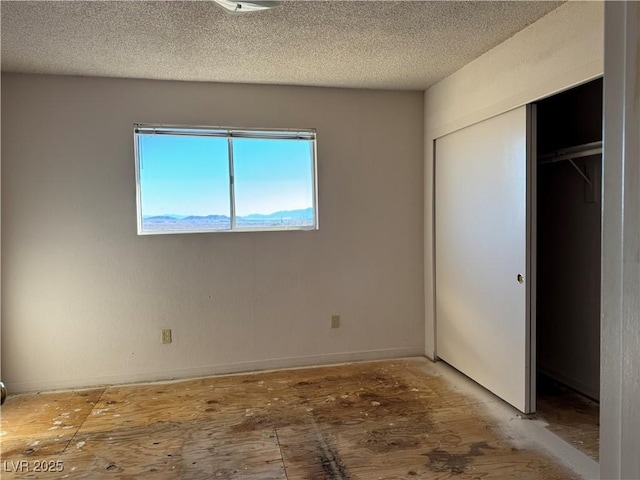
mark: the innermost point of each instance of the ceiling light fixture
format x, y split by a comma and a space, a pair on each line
246, 6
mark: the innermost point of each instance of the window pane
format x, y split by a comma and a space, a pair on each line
184, 183
273, 183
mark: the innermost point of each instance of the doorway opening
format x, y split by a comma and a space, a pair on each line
568, 225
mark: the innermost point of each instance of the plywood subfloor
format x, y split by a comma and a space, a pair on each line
572, 417
376, 420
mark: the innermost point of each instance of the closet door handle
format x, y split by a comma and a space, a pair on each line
520, 278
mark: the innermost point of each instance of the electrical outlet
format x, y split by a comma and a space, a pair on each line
165, 336
335, 321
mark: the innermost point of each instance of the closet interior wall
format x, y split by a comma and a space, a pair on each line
568, 240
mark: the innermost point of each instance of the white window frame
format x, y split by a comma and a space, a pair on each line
230, 133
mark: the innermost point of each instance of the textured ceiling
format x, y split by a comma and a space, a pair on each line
367, 44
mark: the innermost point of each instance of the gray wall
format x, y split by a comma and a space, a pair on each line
84, 298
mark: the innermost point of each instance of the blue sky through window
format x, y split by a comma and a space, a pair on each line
184, 178
184, 175
272, 175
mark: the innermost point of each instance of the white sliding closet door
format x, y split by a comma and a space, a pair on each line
482, 254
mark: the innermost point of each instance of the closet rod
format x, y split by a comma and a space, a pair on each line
578, 151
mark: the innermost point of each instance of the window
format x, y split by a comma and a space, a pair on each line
212, 179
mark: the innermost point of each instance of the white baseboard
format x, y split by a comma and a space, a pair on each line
208, 370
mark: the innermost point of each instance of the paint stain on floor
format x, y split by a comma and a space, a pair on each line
456, 463
376, 420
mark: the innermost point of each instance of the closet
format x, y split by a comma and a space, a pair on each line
568, 226
517, 248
